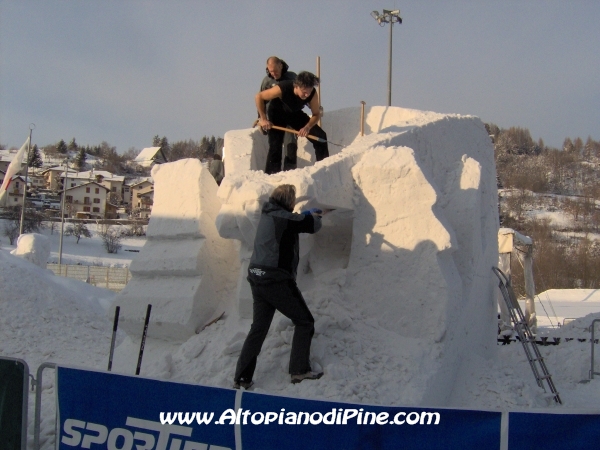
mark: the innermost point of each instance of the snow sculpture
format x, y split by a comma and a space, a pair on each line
414, 227
183, 270
410, 243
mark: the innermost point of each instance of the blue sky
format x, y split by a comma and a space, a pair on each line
123, 71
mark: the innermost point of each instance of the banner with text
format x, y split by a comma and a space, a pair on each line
101, 410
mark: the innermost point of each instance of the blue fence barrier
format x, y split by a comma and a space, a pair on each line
553, 431
102, 410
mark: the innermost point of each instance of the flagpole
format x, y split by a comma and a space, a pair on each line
26, 173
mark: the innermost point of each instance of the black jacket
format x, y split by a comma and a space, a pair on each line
276, 249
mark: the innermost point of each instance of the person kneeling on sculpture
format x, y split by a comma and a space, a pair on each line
294, 95
272, 278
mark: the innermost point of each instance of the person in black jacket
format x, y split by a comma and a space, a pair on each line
272, 278
278, 70
294, 95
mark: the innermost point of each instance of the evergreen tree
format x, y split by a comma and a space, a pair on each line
61, 147
72, 147
35, 159
165, 148
204, 147
212, 146
80, 159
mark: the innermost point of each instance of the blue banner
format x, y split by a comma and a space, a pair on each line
108, 411
100, 410
553, 431
302, 424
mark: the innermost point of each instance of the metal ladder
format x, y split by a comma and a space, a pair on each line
536, 361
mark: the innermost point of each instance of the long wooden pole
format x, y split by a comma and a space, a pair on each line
362, 118
319, 88
289, 130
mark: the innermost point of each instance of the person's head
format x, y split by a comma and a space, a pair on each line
304, 84
285, 196
217, 157
275, 67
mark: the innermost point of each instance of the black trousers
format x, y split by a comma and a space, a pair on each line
296, 120
286, 298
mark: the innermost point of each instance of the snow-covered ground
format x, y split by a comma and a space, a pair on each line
48, 318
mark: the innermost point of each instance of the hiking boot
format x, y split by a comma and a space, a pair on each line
243, 384
306, 376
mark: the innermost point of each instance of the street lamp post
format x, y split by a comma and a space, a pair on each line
390, 17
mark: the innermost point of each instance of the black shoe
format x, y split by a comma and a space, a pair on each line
243, 384
306, 376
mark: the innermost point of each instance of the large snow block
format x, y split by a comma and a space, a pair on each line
185, 270
170, 257
184, 200
245, 150
173, 317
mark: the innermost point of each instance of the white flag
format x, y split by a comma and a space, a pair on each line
12, 169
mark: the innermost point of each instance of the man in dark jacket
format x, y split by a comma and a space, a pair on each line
294, 95
277, 70
272, 278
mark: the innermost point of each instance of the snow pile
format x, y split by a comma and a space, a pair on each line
399, 279
45, 318
48, 318
33, 247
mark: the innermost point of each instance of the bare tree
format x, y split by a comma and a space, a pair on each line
111, 238
79, 230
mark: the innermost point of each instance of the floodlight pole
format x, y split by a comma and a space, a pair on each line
390, 17
390, 67
31, 127
62, 212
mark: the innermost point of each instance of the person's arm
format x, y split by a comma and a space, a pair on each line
260, 99
316, 114
303, 223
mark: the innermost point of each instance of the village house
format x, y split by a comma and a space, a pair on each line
114, 183
14, 194
145, 200
54, 176
150, 156
89, 200
137, 189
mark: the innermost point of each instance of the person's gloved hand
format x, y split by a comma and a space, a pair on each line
312, 211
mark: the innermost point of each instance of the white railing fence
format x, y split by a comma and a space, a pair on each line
113, 278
